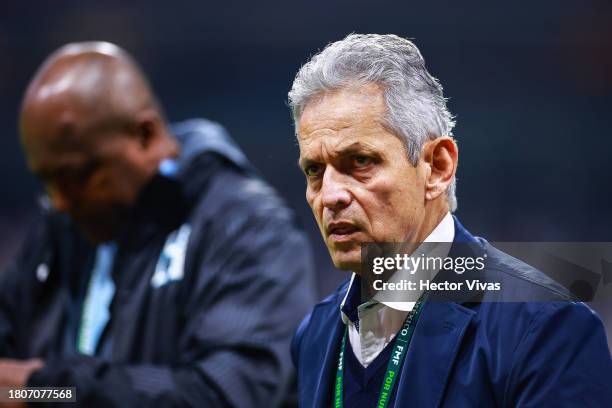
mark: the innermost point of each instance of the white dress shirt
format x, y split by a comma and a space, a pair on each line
378, 323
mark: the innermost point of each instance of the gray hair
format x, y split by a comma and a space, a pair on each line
416, 107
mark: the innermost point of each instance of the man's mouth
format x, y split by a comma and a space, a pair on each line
341, 231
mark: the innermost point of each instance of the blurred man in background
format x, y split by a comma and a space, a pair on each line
163, 271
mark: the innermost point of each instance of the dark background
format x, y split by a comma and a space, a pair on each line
529, 82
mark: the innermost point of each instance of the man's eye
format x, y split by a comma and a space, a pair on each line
313, 170
362, 161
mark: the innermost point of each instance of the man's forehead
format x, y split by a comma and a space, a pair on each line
54, 143
59, 123
51, 140
337, 135
343, 107
339, 143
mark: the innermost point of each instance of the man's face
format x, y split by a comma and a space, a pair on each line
93, 174
360, 185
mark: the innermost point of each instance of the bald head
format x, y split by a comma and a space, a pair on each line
95, 81
93, 131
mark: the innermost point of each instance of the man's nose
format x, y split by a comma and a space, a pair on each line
334, 192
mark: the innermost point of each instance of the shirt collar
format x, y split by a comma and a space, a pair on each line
351, 304
352, 299
444, 231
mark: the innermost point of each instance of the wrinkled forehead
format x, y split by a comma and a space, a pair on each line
344, 117
344, 106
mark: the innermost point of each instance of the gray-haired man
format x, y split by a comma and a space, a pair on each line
376, 149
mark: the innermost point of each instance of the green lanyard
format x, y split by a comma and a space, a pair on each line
395, 363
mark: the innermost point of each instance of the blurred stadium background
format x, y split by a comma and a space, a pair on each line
529, 82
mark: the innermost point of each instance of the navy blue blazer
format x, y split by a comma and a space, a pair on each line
478, 354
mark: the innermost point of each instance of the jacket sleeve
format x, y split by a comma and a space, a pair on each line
8, 307
250, 287
562, 360
13, 279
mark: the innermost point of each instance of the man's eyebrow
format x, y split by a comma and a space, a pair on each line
353, 148
303, 162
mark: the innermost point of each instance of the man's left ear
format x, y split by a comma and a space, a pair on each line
441, 156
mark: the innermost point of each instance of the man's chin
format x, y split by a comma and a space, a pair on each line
345, 255
348, 261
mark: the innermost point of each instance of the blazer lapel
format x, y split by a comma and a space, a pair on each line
319, 356
431, 353
322, 356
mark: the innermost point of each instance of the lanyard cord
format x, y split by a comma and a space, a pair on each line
402, 341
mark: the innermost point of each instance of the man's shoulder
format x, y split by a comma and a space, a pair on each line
528, 297
220, 177
530, 300
234, 202
521, 281
514, 275
197, 136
